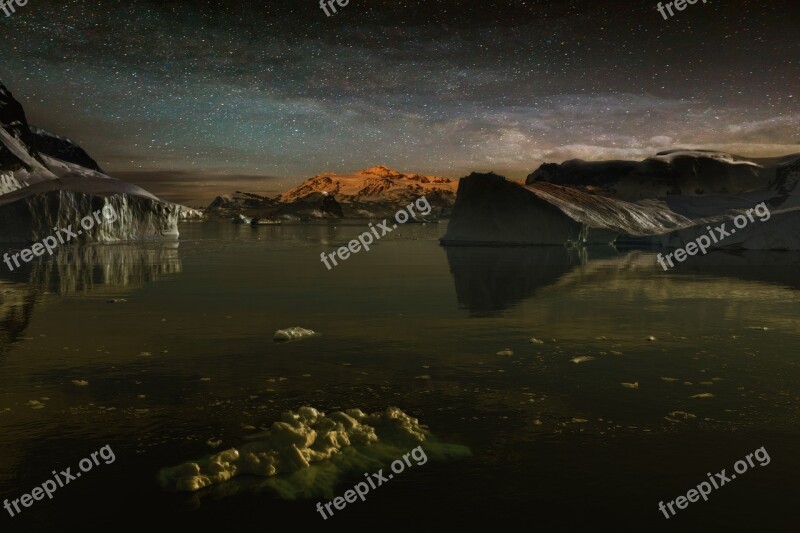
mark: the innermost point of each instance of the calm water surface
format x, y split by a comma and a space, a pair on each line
188, 357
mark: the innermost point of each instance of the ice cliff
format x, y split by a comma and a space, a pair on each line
48, 181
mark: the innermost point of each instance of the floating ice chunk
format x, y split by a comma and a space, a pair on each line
311, 451
80, 382
634, 385
35, 404
534, 340
581, 359
703, 395
650, 338
292, 334
675, 416
668, 380
506, 352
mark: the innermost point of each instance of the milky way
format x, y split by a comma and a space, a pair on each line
278, 88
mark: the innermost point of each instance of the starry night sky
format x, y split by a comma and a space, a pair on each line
276, 88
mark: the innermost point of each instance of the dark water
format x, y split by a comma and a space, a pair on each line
557, 446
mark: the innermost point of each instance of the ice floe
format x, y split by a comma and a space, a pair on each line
307, 451
292, 334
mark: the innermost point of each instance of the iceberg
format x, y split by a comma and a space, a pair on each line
48, 181
665, 201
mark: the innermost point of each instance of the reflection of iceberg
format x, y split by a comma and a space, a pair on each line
306, 452
491, 279
110, 269
16, 308
77, 269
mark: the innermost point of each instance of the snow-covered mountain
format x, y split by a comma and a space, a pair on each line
48, 181
492, 210
375, 191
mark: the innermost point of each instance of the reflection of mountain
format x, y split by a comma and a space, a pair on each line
489, 280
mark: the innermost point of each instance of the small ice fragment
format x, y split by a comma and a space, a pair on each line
425, 376
581, 359
703, 395
668, 380
292, 334
507, 352
35, 404
614, 352
205, 379
579, 420
674, 415
650, 338
214, 443
634, 385
534, 340
80, 382
116, 301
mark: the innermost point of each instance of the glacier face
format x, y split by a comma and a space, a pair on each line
48, 182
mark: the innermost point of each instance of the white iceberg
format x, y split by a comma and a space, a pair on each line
47, 182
